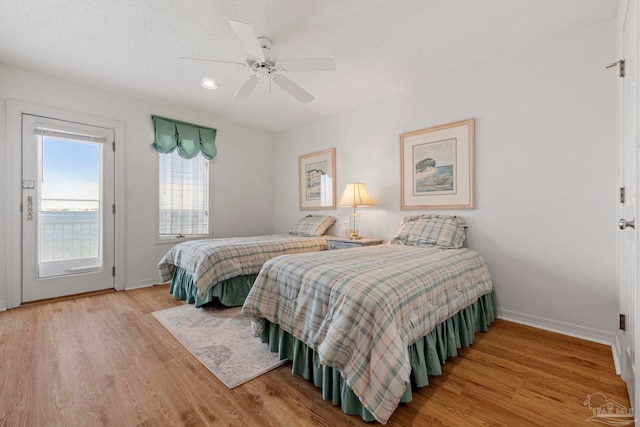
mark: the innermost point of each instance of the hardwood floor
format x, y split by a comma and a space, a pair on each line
103, 360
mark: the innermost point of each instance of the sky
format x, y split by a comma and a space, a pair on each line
70, 170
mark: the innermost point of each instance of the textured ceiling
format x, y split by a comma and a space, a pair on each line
380, 47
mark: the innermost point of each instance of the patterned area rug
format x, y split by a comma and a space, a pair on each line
221, 339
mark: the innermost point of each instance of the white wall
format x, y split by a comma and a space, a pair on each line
239, 150
545, 173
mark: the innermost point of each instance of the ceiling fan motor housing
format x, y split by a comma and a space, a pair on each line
262, 69
268, 66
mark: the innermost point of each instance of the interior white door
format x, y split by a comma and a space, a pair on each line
628, 207
68, 221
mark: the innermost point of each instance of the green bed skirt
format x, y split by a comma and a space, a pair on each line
231, 292
426, 355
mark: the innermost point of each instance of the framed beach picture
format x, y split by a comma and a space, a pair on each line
436, 167
317, 180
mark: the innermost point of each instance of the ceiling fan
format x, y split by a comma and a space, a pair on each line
264, 64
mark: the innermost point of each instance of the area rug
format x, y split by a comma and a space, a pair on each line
221, 339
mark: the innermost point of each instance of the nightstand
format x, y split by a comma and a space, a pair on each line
341, 243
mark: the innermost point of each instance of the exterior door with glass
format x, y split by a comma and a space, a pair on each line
68, 220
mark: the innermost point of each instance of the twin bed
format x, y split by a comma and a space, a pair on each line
202, 271
369, 324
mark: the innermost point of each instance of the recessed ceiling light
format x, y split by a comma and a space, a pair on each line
208, 84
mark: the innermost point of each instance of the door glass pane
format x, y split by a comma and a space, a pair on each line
70, 209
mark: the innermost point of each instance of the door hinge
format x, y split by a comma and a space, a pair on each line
114, 208
113, 146
621, 194
113, 271
620, 65
623, 322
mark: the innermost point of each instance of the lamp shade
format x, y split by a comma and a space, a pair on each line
355, 194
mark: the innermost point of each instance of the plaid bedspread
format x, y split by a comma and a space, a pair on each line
210, 261
360, 309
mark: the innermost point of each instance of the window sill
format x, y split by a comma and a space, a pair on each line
175, 240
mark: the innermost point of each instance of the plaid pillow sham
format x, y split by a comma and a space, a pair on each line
442, 231
312, 225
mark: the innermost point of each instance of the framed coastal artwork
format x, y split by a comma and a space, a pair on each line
317, 180
436, 167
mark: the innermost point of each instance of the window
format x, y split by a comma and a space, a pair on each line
184, 196
185, 150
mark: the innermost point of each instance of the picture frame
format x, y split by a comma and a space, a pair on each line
436, 167
317, 180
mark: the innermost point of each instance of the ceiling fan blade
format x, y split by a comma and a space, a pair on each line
308, 64
248, 39
242, 64
245, 90
293, 89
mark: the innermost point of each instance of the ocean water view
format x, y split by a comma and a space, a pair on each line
68, 234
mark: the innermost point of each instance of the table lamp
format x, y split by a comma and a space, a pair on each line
354, 195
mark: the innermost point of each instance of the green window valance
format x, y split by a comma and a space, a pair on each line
188, 138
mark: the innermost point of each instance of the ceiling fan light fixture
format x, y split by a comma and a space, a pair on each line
208, 84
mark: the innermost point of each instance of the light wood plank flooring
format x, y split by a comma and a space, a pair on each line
104, 360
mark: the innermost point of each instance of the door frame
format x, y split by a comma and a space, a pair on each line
636, 327
15, 109
618, 346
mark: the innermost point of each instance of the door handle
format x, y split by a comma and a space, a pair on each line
623, 223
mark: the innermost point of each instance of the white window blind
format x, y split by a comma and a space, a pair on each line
184, 196
59, 133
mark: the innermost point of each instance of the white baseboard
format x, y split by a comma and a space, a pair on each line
588, 334
616, 350
142, 284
